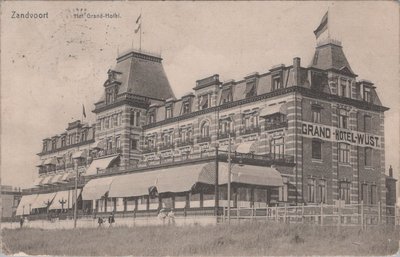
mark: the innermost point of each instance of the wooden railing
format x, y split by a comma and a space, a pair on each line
325, 215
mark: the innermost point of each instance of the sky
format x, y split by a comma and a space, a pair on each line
50, 67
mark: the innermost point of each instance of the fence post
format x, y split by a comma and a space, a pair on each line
302, 213
339, 214
285, 219
362, 214
276, 213
379, 213
322, 214
237, 213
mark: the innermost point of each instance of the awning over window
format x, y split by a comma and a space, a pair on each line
247, 147
225, 148
65, 177
100, 144
40, 164
38, 181
79, 154
249, 87
50, 161
97, 188
183, 178
273, 109
65, 197
46, 180
24, 205
99, 164
42, 200
245, 174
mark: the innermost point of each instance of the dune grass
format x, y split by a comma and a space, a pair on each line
246, 239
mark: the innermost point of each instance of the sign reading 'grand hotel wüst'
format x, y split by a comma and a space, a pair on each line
330, 133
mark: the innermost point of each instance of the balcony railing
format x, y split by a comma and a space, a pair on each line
166, 146
149, 149
226, 135
276, 125
250, 157
203, 139
185, 143
250, 130
107, 152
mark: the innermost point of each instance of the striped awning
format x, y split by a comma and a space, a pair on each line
97, 188
244, 174
100, 164
66, 197
273, 109
79, 154
42, 200
25, 204
247, 147
50, 161
100, 144
46, 180
38, 181
183, 178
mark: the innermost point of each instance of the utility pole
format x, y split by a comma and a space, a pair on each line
216, 191
76, 192
229, 179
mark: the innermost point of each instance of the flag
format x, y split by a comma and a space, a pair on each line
138, 19
137, 28
83, 111
138, 23
322, 26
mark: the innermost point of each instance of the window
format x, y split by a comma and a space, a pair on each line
83, 136
373, 194
135, 118
344, 192
112, 121
311, 190
107, 123
316, 151
63, 142
186, 107
344, 153
134, 144
277, 148
225, 126
367, 123
205, 130
168, 112
367, 94
204, 102
53, 144
343, 119
117, 143
283, 190
316, 114
109, 143
276, 83
322, 191
250, 121
272, 121
364, 193
250, 89
343, 88
368, 156
226, 96
167, 139
152, 117
137, 121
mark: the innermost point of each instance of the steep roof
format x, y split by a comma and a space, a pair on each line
329, 55
143, 74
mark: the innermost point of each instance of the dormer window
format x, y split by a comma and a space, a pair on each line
152, 117
226, 96
276, 83
44, 146
168, 112
186, 107
63, 142
204, 102
367, 94
250, 89
343, 88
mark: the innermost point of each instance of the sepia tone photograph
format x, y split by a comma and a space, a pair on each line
219, 128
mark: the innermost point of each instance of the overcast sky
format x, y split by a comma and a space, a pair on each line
50, 67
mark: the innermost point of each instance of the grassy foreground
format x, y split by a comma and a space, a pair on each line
246, 239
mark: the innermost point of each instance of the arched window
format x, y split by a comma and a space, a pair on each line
205, 129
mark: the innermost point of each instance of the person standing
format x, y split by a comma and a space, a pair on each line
171, 217
111, 220
21, 222
100, 221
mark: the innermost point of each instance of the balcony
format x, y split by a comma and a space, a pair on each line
250, 130
166, 146
149, 149
276, 125
185, 143
107, 152
259, 159
203, 139
226, 135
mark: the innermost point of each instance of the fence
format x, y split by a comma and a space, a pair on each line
325, 215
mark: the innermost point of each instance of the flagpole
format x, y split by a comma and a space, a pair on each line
329, 32
140, 36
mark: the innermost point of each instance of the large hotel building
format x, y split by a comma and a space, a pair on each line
300, 134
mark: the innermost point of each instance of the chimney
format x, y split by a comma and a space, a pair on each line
391, 171
296, 71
